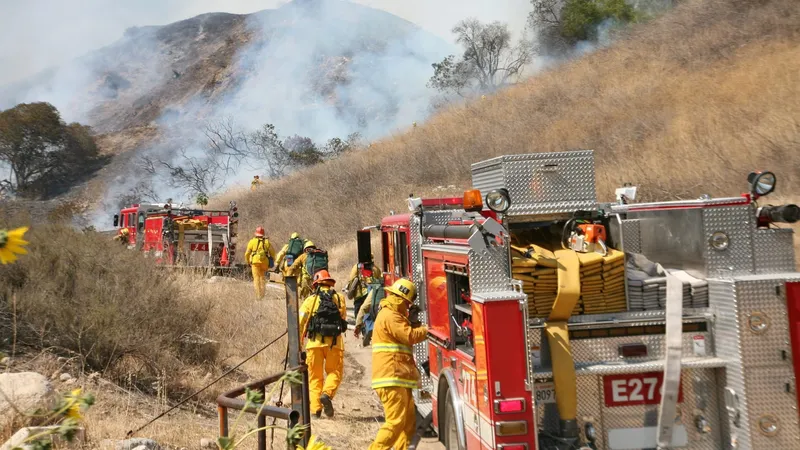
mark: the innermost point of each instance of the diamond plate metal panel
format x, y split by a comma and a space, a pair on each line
442, 217
763, 298
421, 349
541, 183
738, 222
607, 349
723, 300
767, 395
631, 240
700, 396
774, 250
489, 271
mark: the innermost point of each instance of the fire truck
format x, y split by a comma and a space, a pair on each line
182, 237
559, 322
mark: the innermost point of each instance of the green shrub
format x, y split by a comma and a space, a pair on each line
581, 18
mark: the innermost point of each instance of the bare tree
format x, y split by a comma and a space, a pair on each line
228, 144
490, 59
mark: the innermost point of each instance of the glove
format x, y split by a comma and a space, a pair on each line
413, 315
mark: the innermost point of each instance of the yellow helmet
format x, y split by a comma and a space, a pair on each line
404, 289
125, 231
295, 236
308, 245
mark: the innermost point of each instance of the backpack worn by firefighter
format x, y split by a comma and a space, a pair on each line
315, 261
375, 294
261, 254
327, 319
293, 250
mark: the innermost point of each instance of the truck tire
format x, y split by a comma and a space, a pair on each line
449, 430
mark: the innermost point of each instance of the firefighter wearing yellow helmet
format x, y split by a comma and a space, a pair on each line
299, 270
123, 237
323, 319
289, 255
394, 373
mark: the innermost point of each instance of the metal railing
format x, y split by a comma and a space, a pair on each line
231, 400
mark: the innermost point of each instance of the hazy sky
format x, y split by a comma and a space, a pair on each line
37, 34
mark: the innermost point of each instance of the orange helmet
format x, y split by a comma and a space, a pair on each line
260, 232
323, 277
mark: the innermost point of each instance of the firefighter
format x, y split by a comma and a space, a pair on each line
365, 315
303, 277
394, 373
323, 320
359, 279
289, 254
123, 237
256, 183
258, 255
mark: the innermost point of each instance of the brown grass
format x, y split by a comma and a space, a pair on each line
684, 105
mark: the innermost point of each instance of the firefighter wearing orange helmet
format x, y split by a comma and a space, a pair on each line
259, 255
323, 320
394, 373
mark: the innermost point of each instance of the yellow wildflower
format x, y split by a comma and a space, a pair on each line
12, 244
74, 401
314, 444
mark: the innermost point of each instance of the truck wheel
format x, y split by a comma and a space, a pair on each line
450, 430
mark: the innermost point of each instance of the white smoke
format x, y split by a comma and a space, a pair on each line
382, 65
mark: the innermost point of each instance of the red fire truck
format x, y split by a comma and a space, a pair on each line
702, 352
178, 236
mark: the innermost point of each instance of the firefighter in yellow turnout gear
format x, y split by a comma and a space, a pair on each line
258, 254
359, 278
323, 320
289, 255
298, 270
394, 373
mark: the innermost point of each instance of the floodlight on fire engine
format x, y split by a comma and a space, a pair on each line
761, 183
498, 200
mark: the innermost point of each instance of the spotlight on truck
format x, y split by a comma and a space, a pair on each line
498, 200
761, 183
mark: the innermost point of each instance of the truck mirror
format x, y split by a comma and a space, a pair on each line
364, 246
116, 220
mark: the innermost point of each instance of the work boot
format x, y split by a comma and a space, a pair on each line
318, 414
327, 404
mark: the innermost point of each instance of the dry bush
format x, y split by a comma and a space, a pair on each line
84, 295
684, 105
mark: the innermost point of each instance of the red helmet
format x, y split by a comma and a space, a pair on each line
323, 277
260, 232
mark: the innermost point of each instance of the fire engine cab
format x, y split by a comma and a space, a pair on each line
557, 322
177, 236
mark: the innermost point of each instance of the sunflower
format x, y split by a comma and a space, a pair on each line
314, 444
12, 244
74, 401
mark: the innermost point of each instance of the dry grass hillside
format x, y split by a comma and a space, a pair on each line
684, 105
